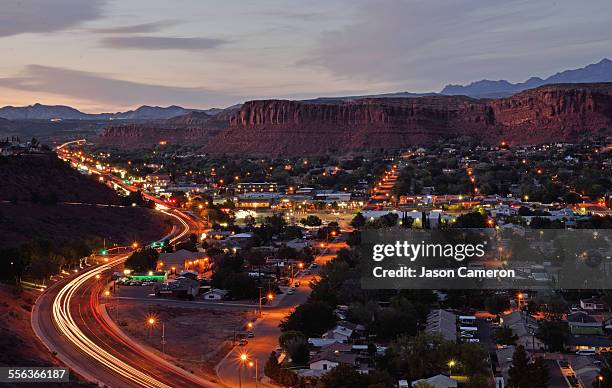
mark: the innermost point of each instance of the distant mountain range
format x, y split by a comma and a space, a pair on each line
596, 72
48, 112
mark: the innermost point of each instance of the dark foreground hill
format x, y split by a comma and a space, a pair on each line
42, 197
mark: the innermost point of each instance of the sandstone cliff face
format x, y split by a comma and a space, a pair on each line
280, 127
546, 114
555, 112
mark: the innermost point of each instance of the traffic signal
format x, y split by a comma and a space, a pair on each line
104, 252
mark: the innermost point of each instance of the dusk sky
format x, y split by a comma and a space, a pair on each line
103, 55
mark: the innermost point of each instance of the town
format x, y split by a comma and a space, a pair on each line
276, 243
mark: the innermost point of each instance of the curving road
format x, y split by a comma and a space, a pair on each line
68, 319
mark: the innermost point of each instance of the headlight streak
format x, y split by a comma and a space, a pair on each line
67, 326
65, 323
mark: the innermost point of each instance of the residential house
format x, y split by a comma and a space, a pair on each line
581, 323
504, 360
438, 381
329, 359
442, 322
321, 342
592, 304
525, 328
344, 330
181, 260
215, 294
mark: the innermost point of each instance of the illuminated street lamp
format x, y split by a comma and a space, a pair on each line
134, 245
251, 364
243, 358
451, 364
151, 322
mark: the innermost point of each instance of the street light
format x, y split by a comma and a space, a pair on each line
599, 380
151, 322
134, 245
251, 364
451, 364
243, 358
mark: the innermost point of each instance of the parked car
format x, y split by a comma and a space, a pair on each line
250, 334
291, 291
243, 342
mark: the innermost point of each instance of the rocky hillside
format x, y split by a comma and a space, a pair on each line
563, 112
549, 113
42, 197
194, 127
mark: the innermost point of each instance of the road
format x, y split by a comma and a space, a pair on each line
67, 318
231, 370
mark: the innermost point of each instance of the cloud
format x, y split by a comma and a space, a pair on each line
420, 44
35, 16
161, 43
136, 28
108, 91
299, 16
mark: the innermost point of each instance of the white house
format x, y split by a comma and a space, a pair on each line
591, 304
329, 359
215, 294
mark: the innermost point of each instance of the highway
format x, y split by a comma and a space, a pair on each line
70, 321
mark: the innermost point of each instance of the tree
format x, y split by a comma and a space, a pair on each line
539, 375
296, 344
471, 220
504, 336
358, 221
552, 334
526, 374
272, 368
276, 222
240, 286
311, 318
518, 374
142, 260
311, 220
342, 376
606, 375
497, 304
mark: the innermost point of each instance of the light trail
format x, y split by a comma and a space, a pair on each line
59, 147
182, 221
68, 327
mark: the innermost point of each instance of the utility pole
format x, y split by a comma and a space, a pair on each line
163, 338
260, 288
257, 378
